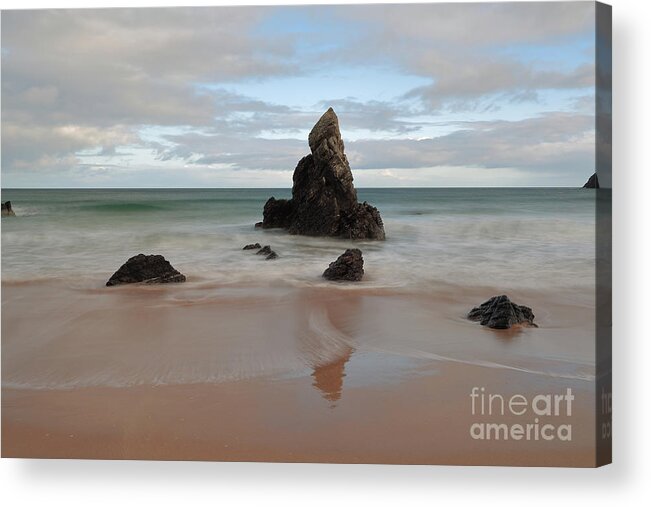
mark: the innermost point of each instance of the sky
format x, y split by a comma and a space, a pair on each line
493, 94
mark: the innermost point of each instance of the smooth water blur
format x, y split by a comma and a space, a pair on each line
499, 237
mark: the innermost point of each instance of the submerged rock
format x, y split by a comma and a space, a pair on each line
265, 250
324, 199
147, 269
7, 211
593, 182
349, 266
500, 313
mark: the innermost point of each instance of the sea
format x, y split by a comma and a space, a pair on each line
241, 316
507, 237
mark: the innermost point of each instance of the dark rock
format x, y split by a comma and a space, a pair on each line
258, 225
349, 266
277, 213
500, 313
265, 250
6, 210
252, 246
593, 182
324, 199
362, 221
146, 268
273, 255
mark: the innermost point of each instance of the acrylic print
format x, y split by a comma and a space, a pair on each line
346, 234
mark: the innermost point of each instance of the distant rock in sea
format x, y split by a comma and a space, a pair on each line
147, 269
349, 266
265, 250
324, 200
7, 211
252, 246
593, 182
272, 255
500, 313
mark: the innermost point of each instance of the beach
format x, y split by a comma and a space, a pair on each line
254, 360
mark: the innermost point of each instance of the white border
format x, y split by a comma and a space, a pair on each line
626, 482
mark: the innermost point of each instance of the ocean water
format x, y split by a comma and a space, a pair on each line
240, 316
496, 237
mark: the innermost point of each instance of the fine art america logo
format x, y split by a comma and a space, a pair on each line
536, 416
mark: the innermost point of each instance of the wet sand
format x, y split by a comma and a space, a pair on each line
207, 372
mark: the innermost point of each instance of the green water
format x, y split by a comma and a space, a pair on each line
506, 237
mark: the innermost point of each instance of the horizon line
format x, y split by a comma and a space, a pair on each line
270, 188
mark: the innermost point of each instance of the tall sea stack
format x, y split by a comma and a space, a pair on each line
593, 182
324, 200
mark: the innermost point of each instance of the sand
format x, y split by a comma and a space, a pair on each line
327, 374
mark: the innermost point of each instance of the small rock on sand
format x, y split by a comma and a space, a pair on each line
500, 313
147, 269
349, 266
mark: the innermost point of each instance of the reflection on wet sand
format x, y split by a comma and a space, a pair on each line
325, 332
507, 335
329, 378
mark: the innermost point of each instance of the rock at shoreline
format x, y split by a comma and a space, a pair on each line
593, 182
348, 267
277, 213
324, 199
147, 269
500, 313
252, 246
265, 250
273, 255
7, 211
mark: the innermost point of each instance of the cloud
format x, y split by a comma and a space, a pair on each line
239, 114
90, 79
558, 148
239, 153
376, 115
465, 86
129, 66
464, 48
165, 82
556, 144
478, 24
34, 147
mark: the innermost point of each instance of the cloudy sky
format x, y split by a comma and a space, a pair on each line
427, 95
